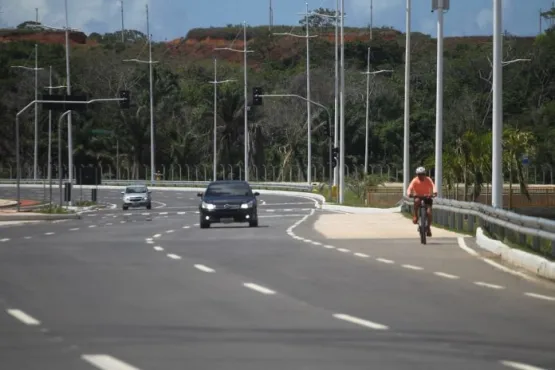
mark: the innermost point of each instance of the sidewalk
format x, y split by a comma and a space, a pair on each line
372, 226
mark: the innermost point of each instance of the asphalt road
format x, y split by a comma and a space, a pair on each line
137, 289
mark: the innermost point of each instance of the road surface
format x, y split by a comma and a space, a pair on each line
150, 290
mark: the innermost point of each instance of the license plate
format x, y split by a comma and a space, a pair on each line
226, 220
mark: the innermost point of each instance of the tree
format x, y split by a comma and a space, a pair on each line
319, 22
517, 144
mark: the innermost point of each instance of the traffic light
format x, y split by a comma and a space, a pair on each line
335, 157
124, 94
327, 129
256, 98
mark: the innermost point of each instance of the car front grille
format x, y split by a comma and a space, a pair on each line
135, 199
228, 206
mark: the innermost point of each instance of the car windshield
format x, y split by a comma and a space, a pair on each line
218, 190
136, 190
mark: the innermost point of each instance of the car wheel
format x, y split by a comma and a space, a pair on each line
125, 208
204, 225
253, 223
149, 206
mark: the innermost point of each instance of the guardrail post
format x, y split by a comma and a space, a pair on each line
536, 243
522, 239
470, 223
460, 221
553, 248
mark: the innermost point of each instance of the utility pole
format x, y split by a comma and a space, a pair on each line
342, 109
406, 125
497, 124
37, 14
122, 25
440, 6
271, 13
69, 115
215, 133
307, 36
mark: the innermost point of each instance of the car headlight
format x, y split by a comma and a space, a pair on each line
247, 205
208, 206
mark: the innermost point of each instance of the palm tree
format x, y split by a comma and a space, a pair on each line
516, 144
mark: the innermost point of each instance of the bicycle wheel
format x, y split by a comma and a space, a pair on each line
423, 224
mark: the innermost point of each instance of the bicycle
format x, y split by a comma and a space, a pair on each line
423, 216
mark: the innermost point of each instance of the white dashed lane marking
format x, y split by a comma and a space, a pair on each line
344, 250
488, 285
204, 268
412, 267
362, 255
23, 317
520, 365
383, 260
259, 288
174, 256
74, 229
158, 248
356, 320
448, 276
49, 233
3, 240
106, 362
540, 296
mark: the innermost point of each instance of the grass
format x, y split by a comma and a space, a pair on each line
53, 210
85, 203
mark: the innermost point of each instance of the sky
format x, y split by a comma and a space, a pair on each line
171, 19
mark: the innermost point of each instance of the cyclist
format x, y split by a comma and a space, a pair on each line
422, 187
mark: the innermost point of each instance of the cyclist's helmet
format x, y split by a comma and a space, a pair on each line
420, 171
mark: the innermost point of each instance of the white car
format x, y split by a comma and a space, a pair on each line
136, 196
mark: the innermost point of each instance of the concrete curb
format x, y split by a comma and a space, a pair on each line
23, 216
359, 210
8, 204
528, 261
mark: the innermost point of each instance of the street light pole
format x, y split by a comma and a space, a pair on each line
336, 92
442, 5
406, 130
246, 106
69, 115
497, 124
50, 88
215, 150
150, 62
307, 36
342, 110
36, 69
367, 131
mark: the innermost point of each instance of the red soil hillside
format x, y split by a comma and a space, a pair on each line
46, 37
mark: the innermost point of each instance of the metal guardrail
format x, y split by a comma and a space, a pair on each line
535, 233
165, 183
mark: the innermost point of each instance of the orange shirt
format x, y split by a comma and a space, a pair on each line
424, 187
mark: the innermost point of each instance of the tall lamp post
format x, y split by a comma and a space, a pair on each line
245, 51
36, 142
342, 109
336, 93
150, 62
368, 73
50, 88
440, 6
406, 125
215, 83
307, 36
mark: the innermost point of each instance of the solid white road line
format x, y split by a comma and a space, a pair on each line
204, 268
316, 243
158, 248
540, 296
174, 256
487, 285
412, 267
344, 250
362, 255
23, 317
356, 320
259, 288
385, 260
520, 365
448, 276
106, 362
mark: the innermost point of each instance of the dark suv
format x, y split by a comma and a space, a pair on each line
227, 202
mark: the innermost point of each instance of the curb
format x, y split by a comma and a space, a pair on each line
528, 261
360, 210
38, 217
8, 205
